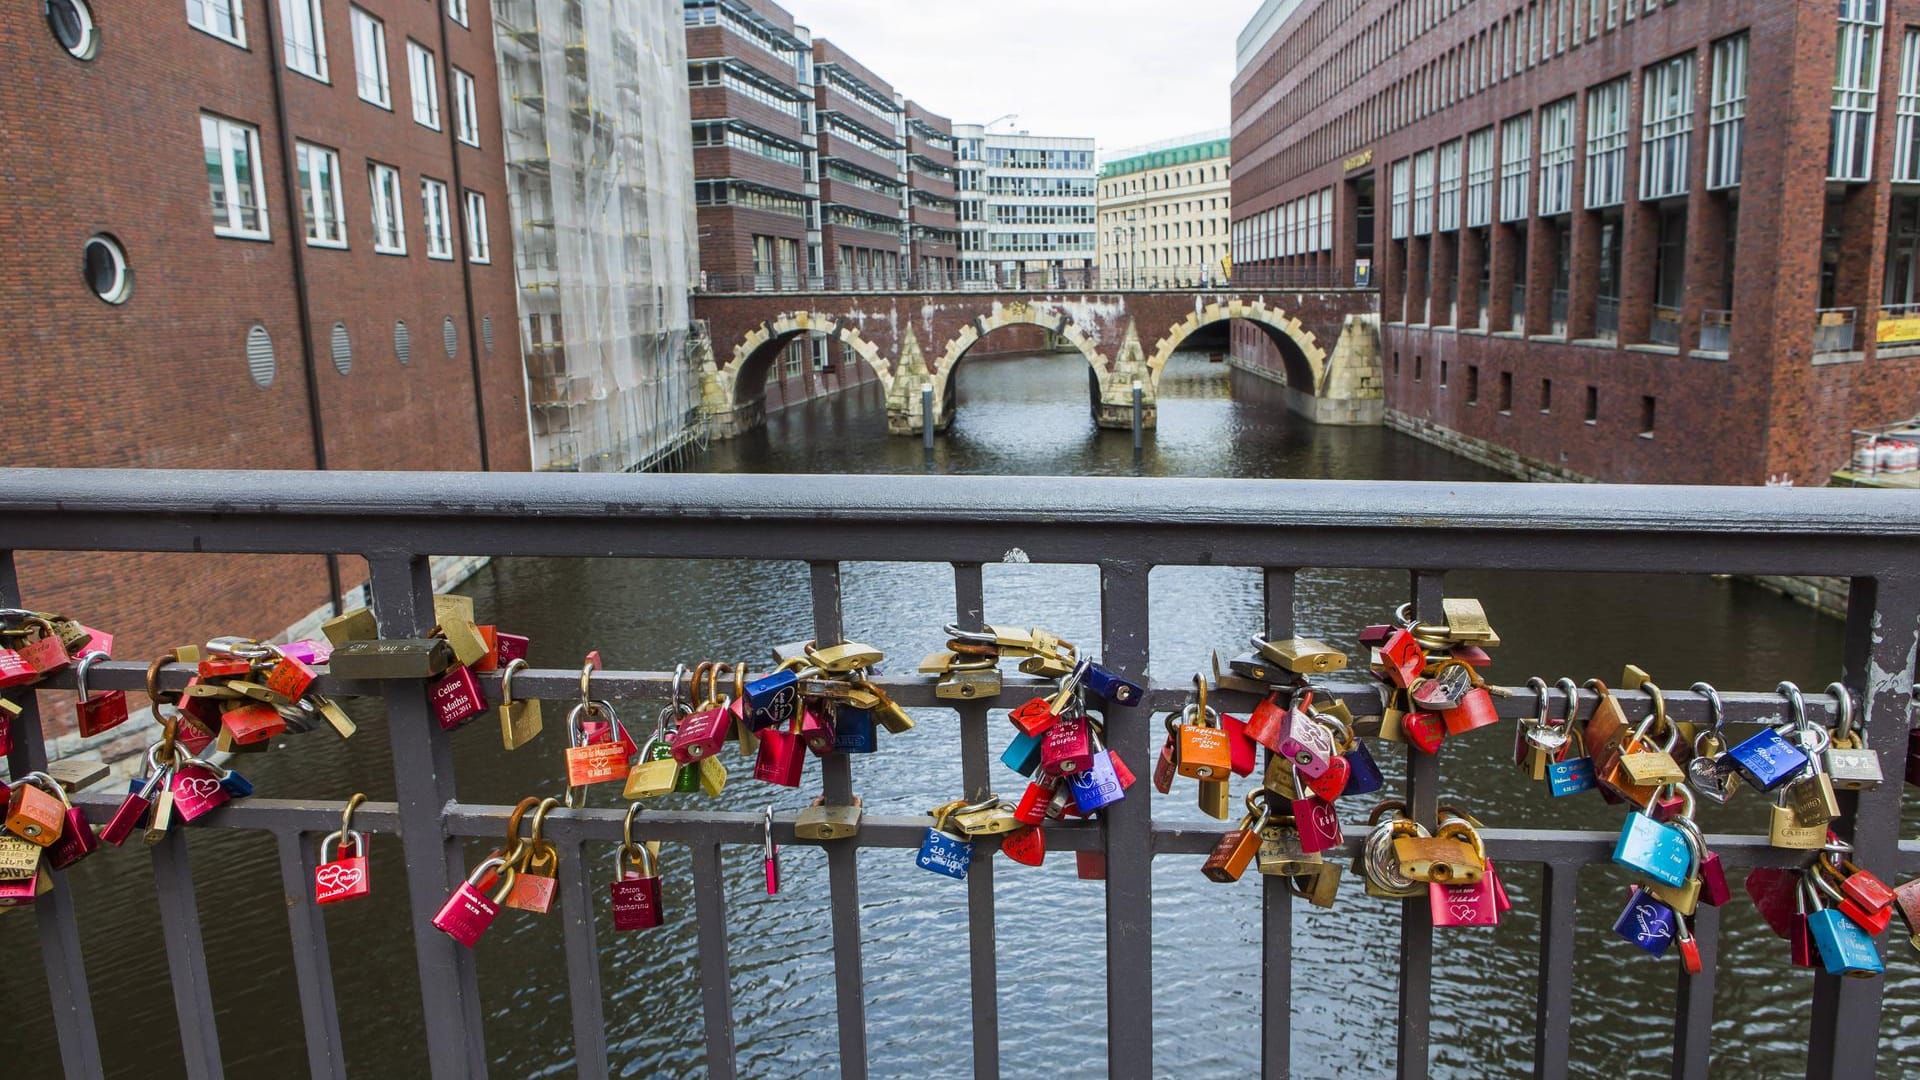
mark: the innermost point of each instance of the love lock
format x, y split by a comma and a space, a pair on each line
822, 822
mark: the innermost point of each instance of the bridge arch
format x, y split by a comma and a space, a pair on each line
754, 355
1017, 313
1306, 360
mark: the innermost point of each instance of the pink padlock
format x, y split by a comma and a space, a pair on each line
1067, 747
456, 698
701, 735
341, 877
636, 888
1318, 822
1472, 904
1307, 743
197, 791
468, 912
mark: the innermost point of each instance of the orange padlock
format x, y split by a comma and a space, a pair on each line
33, 814
1202, 750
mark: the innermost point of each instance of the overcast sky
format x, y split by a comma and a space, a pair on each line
1123, 71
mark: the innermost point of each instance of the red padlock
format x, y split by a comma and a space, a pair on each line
1402, 658
1032, 808
289, 678
782, 756
252, 722
1243, 753
636, 894
1268, 724
1067, 747
96, 712
1090, 865
1318, 823
468, 912
1425, 730
1034, 717
197, 791
341, 877
78, 840
15, 671
1026, 845
1476, 710
457, 698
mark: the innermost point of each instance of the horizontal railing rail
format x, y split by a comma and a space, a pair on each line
1125, 527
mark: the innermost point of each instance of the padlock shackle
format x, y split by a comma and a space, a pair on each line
1539, 687
87, 660
540, 820
514, 667
1843, 722
1796, 705
1572, 690
346, 813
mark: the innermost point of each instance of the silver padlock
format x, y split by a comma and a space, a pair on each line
1847, 761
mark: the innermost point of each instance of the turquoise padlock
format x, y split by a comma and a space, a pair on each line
1022, 755
1659, 851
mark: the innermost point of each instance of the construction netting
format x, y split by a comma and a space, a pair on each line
599, 165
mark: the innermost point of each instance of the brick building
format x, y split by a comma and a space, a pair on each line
933, 222
251, 234
1633, 240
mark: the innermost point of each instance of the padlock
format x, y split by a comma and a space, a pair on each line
96, 712
77, 838
774, 698
1860, 886
1661, 852
968, 684
822, 822
15, 671
1302, 656
341, 877
1767, 760
1713, 876
489, 659
1647, 922
463, 637
19, 859
1098, 785
1320, 886
537, 877
1067, 747
1243, 754
1363, 772
289, 678
355, 625
705, 732
1466, 903
1213, 799
1034, 717
1423, 730
1784, 829
988, 817
943, 852
1022, 755
1848, 762
1268, 722
456, 698
1318, 822
1165, 768
853, 731
197, 790
132, 811
45, 654
1280, 852
1844, 947
37, 809
1800, 949
1447, 859
1572, 772
636, 887
1401, 658
468, 912
1026, 845
252, 722
1237, 847
1476, 710
1105, 684
816, 728
1775, 894
1034, 802
782, 759
520, 719
1306, 741
654, 774
22, 892
1393, 717
403, 658
509, 647
590, 762
1811, 796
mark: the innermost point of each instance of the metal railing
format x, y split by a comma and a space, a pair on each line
1557, 313
1606, 318
1833, 330
1158, 279
1716, 330
1518, 322
1665, 329
1124, 527
1899, 324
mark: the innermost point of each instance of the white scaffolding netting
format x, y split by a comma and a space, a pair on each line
599, 168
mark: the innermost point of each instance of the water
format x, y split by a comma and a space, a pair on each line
1016, 416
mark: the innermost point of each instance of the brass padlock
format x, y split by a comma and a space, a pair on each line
1048, 665
1784, 830
1812, 798
520, 719
1214, 799
989, 817
464, 638
1393, 716
19, 858
355, 625
1441, 859
1467, 622
403, 658
75, 774
966, 684
452, 606
1302, 656
1319, 887
846, 657
822, 822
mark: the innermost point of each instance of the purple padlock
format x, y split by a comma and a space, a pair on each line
1647, 922
1098, 785
1308, 743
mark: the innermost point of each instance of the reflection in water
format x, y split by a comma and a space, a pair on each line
1016, 416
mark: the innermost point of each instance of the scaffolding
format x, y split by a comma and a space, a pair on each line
599, 155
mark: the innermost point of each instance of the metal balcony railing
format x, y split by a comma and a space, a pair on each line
1606, 318
1557, 313
1833, 330
1716, 330
1665, 329
1899, 324
1154, 278
1124, 527
1519, 320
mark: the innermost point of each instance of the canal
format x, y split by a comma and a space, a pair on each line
1016, 416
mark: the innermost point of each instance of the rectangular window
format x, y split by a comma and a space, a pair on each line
320, 201
1448, 214
1856, 82
1606, 146
1728, 117
370, 58
479, 249
1646, 416
457, 11
389, 219
1473, 384
1666, 129
1556, 158
234, 182
1443, 374
1326, 219
1423, 193
1506, 391
1593, 404
438, 218
1480, 178
1906, 139
1516, 137
305, 37
1402, 188
1419, 367
423, 77
1546, 395
224, 19
466, 108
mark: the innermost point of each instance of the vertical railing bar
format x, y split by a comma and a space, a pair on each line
843, 867
1416, 918
186, 955
1128, 827
400, 588
578, 932
1883, 635
969, 594
1693, 1007
716, 974
1553, 1004
1276, 900
312, 964
59, 927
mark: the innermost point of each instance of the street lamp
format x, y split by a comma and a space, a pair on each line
1131, 259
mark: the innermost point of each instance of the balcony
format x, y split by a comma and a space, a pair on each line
955, 525
1833, 330
1899, 324
1716, 330
1606, 318
1666, 326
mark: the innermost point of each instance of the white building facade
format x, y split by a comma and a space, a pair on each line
1164, 214
1027, 209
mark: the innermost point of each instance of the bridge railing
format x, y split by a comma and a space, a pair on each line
1154, 279
1123, 526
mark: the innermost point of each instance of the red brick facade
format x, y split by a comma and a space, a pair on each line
1346, 89
112, 145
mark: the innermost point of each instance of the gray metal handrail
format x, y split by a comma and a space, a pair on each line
1123, 526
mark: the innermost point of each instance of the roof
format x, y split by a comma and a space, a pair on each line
1185, 153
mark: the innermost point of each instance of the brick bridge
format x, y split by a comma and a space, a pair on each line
1325, 344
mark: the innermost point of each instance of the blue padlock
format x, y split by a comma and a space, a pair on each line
1363, 773
853, 731
1647, 922
1098, 785
1106, 684
1845, 946
1022, 755
944, 854
1570, 777
236, 786
1659, 851
773, 699
1767, 760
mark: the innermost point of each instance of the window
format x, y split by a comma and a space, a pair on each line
1593, 404
457, 11
1666, 129
466, 108
1401, 186
1516, 149
1423, 193
72, 25
1646, 417
1606, 146
1556, 158
370, 58
104, 265
320, 202
1546, 395
223, 19
1448, 214
1856, 81
389, 220
479, 250
1906, 140
438, 218
1480, 178
1473, 384
1728, 118
425, 84
233, 177
1506, 392
1443, 374
305, 37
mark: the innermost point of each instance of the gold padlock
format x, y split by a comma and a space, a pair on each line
1785, 831
1214, 799
822, 822
989, 817
1302, 656
650, 779
1467, 621
967, 684
1441, 859
845, 657
1319, 887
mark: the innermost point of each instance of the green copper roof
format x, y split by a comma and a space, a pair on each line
1175, 155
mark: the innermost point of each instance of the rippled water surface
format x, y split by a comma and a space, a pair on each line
1025, 416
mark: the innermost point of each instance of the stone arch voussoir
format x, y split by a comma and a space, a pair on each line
1274, 320
813, 322
1017, 313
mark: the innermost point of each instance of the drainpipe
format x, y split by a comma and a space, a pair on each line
458, 198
